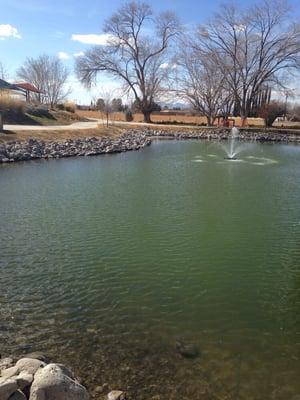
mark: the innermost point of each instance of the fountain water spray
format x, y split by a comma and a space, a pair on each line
231, 150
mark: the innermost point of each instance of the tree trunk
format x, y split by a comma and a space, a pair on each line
147, 116
1, 121
209, 121
243, 121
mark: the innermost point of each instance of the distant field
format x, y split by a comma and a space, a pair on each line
162, 118
184, 119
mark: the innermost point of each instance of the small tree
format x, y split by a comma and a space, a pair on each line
49, 75
133, 55
106, 106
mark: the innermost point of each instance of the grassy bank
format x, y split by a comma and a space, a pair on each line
18, 112
59, 135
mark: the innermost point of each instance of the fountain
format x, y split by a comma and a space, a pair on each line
231, 149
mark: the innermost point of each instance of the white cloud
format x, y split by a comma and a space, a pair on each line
82, 95
7, 31
102, 39
79, 54
167, 65
62, 55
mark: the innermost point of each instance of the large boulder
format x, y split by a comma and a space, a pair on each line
28, 365
54, 382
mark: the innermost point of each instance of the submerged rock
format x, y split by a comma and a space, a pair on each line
116, 395
187, 350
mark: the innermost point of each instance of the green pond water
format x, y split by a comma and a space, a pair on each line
107, 262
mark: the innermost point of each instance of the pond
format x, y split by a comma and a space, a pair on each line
109, 264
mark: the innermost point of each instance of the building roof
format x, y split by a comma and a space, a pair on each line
27, 86
7, 86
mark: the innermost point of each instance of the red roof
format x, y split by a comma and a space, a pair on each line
27, 86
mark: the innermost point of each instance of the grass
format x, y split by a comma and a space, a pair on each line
54, 117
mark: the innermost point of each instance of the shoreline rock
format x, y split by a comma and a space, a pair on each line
32, 379
34, 149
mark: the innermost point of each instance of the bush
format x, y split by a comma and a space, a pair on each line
10, 105
70, 106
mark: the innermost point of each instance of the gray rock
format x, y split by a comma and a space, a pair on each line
116, 395
52, 383
29, 365
6, 363
24, 379
38, 356
9, 372
7, 388
18, 395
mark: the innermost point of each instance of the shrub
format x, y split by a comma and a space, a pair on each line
60, 107
128, 116
70, 106
271, 111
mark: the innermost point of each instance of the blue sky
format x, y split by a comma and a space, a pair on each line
33, 27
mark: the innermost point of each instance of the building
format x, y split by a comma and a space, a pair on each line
29, 90
5, 86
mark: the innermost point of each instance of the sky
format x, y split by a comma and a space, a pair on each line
66, 28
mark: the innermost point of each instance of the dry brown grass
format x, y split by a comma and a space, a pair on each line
165, 118
59, 135
8, 103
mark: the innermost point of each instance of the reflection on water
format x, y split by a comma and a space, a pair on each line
107, 262
219, 158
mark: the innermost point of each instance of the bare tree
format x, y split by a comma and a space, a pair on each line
133, 55
201, 82
49, 75
252, 48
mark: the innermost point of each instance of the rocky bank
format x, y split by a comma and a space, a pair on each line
261, 135
33, 149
